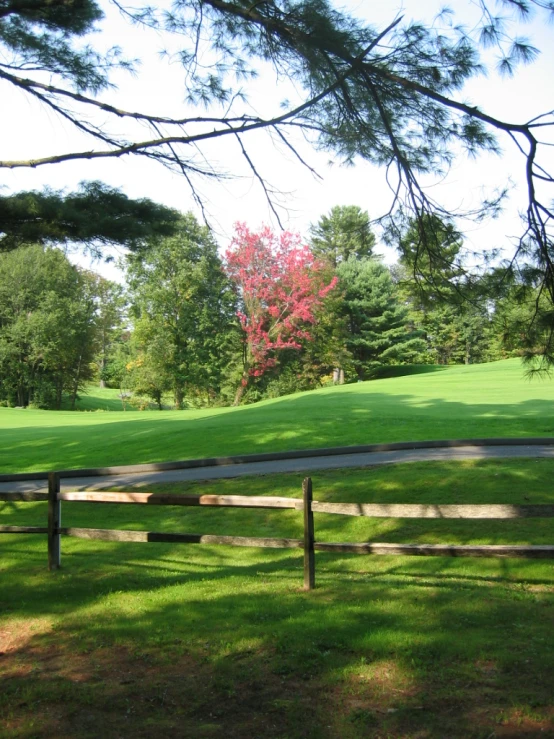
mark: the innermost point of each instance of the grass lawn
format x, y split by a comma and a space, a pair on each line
476, 401
99, 399
198, 641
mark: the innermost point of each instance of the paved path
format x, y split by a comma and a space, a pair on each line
305, 464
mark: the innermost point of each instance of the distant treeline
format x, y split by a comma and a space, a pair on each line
274, 316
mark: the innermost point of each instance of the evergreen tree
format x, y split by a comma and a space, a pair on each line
94, 216
345, 232
463, 335
522, 319
431, 254
379, 332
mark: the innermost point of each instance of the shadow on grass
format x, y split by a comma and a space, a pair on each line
138, 640
209, 641
403, 370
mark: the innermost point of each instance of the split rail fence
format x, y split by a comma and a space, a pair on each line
306, 504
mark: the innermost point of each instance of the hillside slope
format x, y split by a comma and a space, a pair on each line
461, 402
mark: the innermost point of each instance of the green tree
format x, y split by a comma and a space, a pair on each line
184, 309
457, 335
94, 216
431, 254
110, 320
379, 332
522, 317
151, 371
47, 327
345, 232
117, 371
391, 95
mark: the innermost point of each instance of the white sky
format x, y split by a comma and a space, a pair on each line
29, 130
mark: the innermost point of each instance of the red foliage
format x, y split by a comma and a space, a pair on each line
281, 285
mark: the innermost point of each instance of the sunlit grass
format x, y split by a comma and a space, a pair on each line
460, 402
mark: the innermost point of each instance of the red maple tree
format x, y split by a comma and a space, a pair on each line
281, 284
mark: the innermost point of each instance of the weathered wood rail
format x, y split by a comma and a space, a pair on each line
306, 504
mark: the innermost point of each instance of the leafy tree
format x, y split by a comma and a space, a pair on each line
110, 304
314, 362
280, 285
522, 318
389, 95
184, 310
456, 335
379, 332
151, 370
47, 327
94, 216
456, 331
345, 232
117, 371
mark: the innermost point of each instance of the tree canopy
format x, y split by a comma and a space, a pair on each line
94, 216
345, 232
184, 311
47, 327
281, 286
378, 327
391, 95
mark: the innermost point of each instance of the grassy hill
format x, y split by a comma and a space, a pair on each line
476, 401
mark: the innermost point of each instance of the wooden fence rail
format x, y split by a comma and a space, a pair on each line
385, 510
306, 504
226, 501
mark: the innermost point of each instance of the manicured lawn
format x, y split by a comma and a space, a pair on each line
200, 641
476, 401
99, 399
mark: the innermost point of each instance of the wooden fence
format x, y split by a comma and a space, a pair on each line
306, 504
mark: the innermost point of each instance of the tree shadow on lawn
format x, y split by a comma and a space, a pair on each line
140, 640
309, 421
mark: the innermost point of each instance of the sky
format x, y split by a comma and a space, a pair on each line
29, 130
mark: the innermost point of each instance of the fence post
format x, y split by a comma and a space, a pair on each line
309, 556
54, 521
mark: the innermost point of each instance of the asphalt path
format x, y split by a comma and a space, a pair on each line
305, 465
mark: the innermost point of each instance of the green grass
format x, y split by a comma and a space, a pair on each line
95, 398
403, 370
141, 640
476, 401
99, 399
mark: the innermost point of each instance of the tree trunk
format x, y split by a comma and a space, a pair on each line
179, 396
22, 399
122, 397
243, 383
76, 383
241, 389
102, 369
